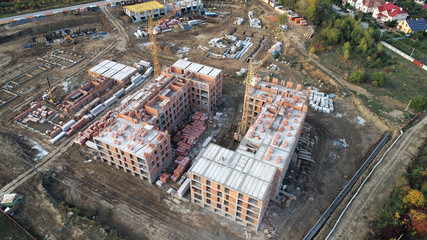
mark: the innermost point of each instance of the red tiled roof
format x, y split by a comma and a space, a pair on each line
395, 12
385, 7
391, 10
381, 15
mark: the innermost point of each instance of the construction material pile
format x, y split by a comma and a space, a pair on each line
95, 128
165, 177
170, 23
188, 136
164, 26
254, 22
183, 163
320, 102
38, 115
239, 21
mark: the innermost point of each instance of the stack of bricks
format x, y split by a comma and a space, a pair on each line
188, 136
183, 163
165, 177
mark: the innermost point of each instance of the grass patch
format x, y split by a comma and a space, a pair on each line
404, 82
9, 12
9, 230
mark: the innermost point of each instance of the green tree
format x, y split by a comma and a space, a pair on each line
322, 12
379, 47
338, 3
288, 3
378, 79
363, 45
302, 7
346, 51
356, 34
357, 76
418, 103
283, 19
311, 10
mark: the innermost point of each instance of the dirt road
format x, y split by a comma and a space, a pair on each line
123, 37
355, 223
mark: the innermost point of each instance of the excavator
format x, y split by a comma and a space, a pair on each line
71, 39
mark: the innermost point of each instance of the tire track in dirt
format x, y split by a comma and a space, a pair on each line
373, 195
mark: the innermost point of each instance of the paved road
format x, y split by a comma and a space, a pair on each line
53, 11
355, 222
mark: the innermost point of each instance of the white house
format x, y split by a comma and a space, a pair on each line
365, 6
420, 1
389, 12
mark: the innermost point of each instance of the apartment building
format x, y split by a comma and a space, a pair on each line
139, 12
274, 134
135, 148
239, 184
232, 185
137, 141
206, 83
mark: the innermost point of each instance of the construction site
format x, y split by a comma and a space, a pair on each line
195, 119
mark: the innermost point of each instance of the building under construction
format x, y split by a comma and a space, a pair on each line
238, 185
139, 12
135, 138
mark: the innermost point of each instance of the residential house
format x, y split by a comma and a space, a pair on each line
412, 25
365, 6
389, 12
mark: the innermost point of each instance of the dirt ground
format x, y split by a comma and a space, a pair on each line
13, 161
333, 169
142, 211
357, 220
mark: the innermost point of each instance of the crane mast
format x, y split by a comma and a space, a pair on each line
153, 45
153, 40
246, 106
249, 77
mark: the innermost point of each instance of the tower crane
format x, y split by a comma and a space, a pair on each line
246, 106
152, 34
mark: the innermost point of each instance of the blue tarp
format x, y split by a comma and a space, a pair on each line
331, 95
187, 27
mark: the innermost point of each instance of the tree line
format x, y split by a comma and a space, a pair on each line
14, 7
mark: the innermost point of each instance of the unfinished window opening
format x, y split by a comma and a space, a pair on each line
197, 196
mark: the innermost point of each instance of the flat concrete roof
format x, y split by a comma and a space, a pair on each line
128, 130
234, 170
197, 68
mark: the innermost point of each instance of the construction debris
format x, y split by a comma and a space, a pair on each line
340, 143
321, 102
254, 22
239, 21
242, 71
